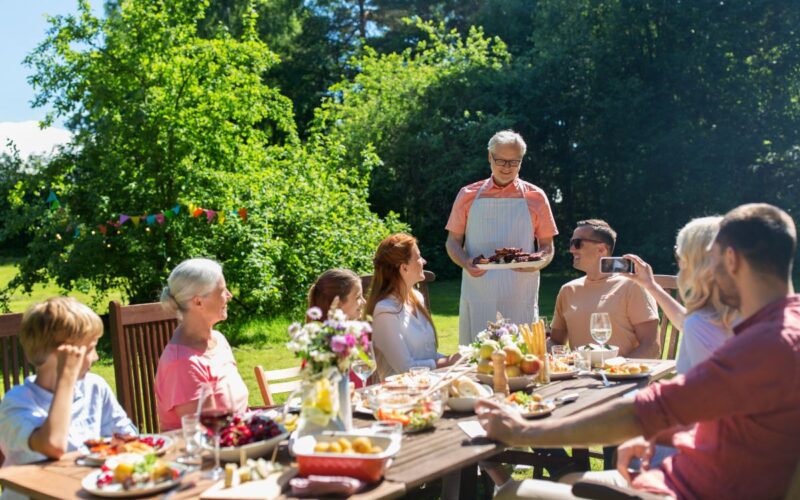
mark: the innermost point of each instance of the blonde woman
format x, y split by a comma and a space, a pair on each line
703, 319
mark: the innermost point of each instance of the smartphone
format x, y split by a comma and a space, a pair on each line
609, 265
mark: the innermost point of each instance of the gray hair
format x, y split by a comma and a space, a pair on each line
507, 137
189, 279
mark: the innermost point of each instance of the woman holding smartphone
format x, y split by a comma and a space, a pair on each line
704, 320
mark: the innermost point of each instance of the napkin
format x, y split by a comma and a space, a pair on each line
472, 428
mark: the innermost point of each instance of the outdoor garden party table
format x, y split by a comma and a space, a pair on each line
443, 451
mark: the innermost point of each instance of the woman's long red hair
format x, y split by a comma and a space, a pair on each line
394, 251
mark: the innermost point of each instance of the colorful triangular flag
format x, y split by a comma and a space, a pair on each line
135, 220
123, 219
151, 219
243, 214
160, 217
52, 197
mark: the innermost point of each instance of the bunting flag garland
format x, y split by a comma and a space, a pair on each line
115, 225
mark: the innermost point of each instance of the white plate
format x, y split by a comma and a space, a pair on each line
544, 411
563, 375
97, 459
514, 383
251, 450
89, 483
536, 264
623, 376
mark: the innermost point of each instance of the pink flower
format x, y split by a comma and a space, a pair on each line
339, 344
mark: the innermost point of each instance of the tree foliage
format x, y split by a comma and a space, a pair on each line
162, 117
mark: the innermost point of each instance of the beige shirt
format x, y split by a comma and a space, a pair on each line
626, 303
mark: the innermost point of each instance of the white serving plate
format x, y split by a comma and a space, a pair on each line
536, 264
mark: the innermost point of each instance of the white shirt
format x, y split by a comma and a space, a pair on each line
702, 335
95, 413
402, 339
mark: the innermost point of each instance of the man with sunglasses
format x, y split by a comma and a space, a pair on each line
501, 211
633, 311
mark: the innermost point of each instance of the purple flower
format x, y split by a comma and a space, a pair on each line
351, 341
339, 344
315, 313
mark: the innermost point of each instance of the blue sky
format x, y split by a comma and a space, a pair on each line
22, 27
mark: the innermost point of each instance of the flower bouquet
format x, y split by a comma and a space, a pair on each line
327, 349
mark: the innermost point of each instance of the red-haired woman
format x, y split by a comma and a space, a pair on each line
402, 330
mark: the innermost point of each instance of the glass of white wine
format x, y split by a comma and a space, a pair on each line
363, 368
600, 328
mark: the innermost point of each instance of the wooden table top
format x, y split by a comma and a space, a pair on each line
423, 456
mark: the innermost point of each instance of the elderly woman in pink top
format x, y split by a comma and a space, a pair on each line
197, 355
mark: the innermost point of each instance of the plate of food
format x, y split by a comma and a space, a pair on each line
97, 451
408, 380
530, 405
510, 258
621, 369
131, 474
559, 370
254, 433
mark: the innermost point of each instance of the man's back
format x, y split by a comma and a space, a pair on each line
746, 398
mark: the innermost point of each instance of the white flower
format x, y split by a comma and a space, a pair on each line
484, 335
506, 340
315, 313
339, 315
468, 351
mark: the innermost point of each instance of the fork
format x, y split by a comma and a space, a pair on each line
606, 383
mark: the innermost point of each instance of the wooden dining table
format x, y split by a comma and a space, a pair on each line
442, 452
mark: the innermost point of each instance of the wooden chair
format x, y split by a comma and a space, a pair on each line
15, 366
268, 390
422, 286
669, 348
139, 334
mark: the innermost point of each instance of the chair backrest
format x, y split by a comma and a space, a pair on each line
139, 334
15, 366
422, 286
669, 346
268, 390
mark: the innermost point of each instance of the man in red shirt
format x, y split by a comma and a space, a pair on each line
735, 418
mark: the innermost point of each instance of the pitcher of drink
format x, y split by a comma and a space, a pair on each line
324, 403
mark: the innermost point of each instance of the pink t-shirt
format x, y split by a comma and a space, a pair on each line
544, 226
182, 372
745, 401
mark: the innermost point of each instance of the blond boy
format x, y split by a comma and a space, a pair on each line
62, 405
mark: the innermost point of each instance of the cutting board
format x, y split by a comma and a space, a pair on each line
263, 489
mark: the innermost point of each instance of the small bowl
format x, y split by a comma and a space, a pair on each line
596, 356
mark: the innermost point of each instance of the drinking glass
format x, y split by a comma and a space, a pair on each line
600, 328
363, 368
190, 426
216, 412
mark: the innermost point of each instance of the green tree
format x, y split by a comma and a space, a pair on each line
161, 117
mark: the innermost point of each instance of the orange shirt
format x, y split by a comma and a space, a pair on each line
544, 226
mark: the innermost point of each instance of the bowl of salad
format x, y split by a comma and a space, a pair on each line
416, 410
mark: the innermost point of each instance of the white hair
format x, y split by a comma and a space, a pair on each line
507, 137
191, 278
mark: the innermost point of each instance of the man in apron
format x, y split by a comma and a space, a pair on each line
501, 211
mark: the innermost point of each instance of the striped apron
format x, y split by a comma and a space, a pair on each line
495, 223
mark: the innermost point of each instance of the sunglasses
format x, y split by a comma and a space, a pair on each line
578, 242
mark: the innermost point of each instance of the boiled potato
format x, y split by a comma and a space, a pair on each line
362, 445
322, 447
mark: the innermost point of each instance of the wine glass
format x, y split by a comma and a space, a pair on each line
216, 412
190, 426
363, 368
600, 328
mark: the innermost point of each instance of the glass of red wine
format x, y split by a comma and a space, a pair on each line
216, 412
